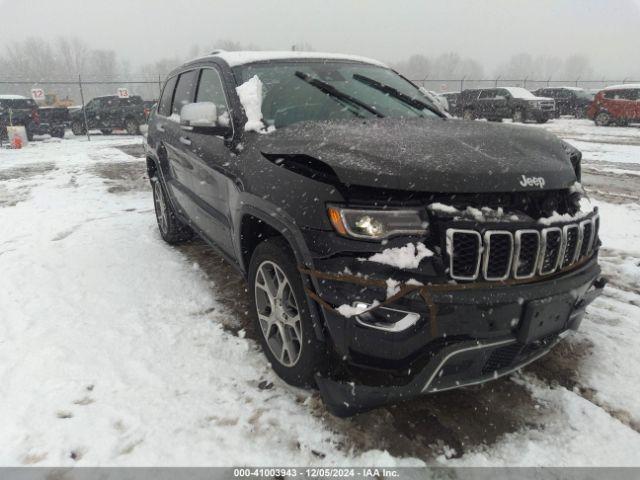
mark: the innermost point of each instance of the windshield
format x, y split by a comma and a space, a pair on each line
301, 91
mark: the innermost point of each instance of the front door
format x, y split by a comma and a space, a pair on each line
210, 158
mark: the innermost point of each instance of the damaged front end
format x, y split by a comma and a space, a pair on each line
498, 288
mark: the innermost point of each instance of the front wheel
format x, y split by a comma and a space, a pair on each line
542, 120
518, 116
281, 316
77, 128
106, 131
132, 127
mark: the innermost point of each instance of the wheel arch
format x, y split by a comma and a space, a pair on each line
254, 226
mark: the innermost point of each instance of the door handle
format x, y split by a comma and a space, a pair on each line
185, 140
160, 127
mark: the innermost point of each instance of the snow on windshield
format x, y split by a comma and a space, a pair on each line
250, 93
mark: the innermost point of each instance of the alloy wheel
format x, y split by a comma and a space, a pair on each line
278, 313
161, 207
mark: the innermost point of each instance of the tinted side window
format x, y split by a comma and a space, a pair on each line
167, 97
185, 91
620, 94
210, 89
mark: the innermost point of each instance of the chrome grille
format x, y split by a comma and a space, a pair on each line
527, 252
497, 255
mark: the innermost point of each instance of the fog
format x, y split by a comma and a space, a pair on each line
606, 33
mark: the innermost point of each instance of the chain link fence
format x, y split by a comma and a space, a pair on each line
72, 90
459, 84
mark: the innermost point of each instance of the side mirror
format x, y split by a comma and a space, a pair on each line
203, 117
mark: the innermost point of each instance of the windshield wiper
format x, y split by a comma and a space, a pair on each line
397, 94
335, 93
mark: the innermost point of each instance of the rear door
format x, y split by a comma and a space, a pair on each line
211, 157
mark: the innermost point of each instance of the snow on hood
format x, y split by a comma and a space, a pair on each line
523, 93
243, 57
12, 97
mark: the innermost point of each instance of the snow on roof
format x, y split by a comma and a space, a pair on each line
624, 86
12, 97
519, 92
244, 57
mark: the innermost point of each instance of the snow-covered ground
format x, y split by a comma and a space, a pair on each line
114, 348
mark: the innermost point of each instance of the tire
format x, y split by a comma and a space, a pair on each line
542, 120
132, 127
30, 135
518, 116
58, 132
495, 119
77, 128
468, 114
172, 229
602, 119
106, 131
274, 315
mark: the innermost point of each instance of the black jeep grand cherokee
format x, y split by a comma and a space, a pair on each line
390, 251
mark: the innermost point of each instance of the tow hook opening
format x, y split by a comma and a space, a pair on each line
385, 319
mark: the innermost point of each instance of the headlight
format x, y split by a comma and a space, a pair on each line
377, 224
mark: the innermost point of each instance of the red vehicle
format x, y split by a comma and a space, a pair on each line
616, 105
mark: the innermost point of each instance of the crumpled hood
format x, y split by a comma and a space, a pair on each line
448, 156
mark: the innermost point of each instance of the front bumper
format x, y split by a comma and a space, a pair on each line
480, 335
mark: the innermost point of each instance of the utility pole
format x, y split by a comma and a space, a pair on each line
84, 110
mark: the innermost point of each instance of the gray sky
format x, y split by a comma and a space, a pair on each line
606, 31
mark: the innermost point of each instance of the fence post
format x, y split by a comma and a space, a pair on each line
624, 80
462, 83
548, 81
524, 82
577, 79
84, 110
496, 82
159, 87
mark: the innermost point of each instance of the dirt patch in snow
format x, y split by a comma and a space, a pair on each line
136, 150
227, 286
448, 423
26, 171
122, 177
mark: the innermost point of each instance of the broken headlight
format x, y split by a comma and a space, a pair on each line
377, 224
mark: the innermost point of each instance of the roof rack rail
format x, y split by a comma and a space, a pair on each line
215, 52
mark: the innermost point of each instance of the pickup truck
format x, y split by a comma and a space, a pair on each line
109, 113
17, 110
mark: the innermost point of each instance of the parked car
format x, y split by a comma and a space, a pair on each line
57, 118
390, 251
109, 113
148, 106
616, 105
17, 110
569, 100
452, 101
437, 99
516, 103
